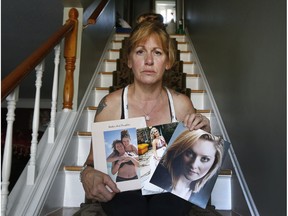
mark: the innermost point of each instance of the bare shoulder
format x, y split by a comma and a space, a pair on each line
182, 104
109, 107
181, 99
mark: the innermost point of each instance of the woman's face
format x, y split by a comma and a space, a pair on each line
126, 141
156, 133
120, 148
198, 159
148, 60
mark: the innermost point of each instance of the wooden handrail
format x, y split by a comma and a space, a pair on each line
13, 79
94, 16
70, 51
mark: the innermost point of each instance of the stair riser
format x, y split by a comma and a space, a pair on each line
74, 193
84, 143
182, 46
186, 57
179, 38
113, 55
96, 96
120, 36
221, 194
199, 100
116, 45
104, 80
193, 83
87, 118
110, 66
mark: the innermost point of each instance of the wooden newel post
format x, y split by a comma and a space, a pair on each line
70, 50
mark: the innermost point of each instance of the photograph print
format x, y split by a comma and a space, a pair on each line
155, 139
115, 151
190, 165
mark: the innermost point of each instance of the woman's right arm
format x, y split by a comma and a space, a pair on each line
95, 182
115, 167
112, 157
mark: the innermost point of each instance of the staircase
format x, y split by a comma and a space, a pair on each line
67, 193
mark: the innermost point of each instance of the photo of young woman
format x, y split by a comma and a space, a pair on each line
190, 161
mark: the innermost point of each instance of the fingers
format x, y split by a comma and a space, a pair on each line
196, 121
99, 186
111, 184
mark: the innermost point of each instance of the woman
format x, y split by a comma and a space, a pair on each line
126, 166
189, 162
129, 147
158, 143
126, 140
149, 54
158, 147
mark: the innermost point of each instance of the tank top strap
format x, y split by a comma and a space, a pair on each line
171, 106
125, 102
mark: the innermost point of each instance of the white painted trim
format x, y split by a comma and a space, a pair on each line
249, 200
31, 198
29, 103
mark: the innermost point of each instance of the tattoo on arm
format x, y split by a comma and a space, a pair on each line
101, 105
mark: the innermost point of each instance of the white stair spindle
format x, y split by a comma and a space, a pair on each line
31, 172
7, 156
51, 130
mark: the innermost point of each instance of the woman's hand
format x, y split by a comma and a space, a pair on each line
196, 121
98, 186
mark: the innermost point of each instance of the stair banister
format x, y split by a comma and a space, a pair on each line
52, 124
7, 156
31, 173
13, 79
70, 57
10, 88
96, 13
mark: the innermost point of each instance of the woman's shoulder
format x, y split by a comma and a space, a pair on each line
115, 95
182, 104
177, 95
109, 107
156, 139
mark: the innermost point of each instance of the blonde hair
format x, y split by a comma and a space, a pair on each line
153, 129
172, 158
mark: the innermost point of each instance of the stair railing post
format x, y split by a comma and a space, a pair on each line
70, 49
7, 156
31, 172
51, 130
